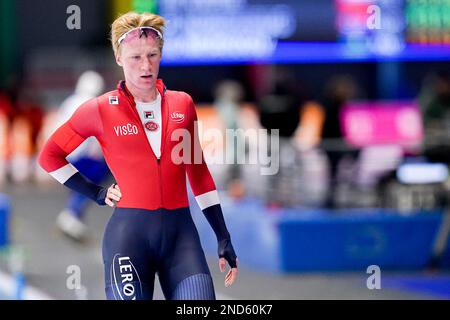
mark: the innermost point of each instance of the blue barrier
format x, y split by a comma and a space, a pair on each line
445, 259
5, 209
290, 240
356, 239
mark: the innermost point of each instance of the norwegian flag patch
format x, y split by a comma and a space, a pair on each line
113, 100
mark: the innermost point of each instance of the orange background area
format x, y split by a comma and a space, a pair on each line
16, 137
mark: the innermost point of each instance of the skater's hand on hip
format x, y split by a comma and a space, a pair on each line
112, 195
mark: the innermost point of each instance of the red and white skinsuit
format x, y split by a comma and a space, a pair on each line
145, 181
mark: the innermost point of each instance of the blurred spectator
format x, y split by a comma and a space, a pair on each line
87, 158
25, 125
6, 105
29, 106
434, 100
280, 108
338, 91
6, 113
228, 96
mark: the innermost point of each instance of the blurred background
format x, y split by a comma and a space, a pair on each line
359, 91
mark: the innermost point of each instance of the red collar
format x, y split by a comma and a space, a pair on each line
121, 86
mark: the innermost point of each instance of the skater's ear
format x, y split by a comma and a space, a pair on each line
118, 58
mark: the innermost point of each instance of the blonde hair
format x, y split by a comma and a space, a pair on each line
131, 20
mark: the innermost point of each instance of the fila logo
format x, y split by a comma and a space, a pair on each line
177, 116
149, 115
113, 100
126, 130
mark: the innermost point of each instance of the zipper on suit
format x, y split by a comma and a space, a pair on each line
133, 104
158, 161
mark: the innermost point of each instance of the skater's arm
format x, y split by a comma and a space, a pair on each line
207, 197
85, 122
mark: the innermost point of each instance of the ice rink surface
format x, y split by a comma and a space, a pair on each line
48, 254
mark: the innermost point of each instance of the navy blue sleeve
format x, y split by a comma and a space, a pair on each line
81, 184
215, 218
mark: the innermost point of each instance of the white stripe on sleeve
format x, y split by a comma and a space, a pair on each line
63, 174
207, 199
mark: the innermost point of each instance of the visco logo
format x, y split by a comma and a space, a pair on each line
126, 130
